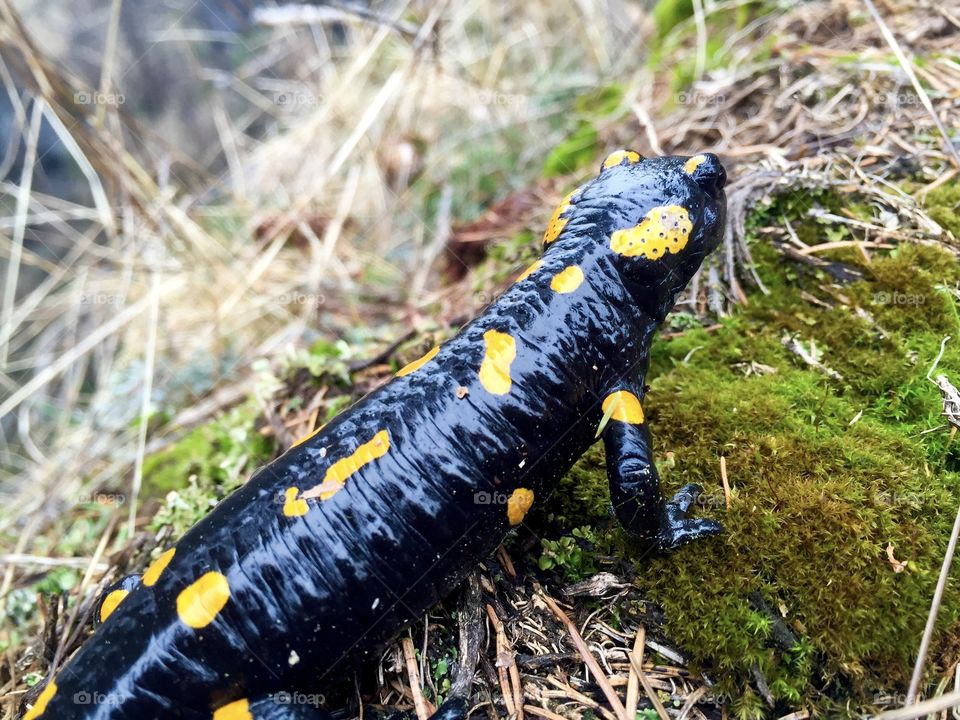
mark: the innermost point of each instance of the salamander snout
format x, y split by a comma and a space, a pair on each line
707, 171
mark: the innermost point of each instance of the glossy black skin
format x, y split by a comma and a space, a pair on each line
337, 583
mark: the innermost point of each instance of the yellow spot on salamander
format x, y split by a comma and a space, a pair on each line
306, 437
626, 407
337, 474
501, 350
529, 271
156, 568
518, 504
419, 363
693, 163
42, 701
665, 229
110, 603
618, 156
237, 710
292, 506
199, 604
567, 280
557, 223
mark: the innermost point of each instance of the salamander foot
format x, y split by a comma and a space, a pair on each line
676, 528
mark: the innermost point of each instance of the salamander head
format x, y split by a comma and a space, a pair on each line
657, 217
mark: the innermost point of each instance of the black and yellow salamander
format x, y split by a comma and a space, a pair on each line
329, 551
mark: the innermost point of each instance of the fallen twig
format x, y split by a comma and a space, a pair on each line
636, 666
507, 671
422, 705
587, 656
809, 356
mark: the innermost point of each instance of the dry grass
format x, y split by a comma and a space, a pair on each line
328, 201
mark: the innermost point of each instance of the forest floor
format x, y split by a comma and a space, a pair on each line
796, 380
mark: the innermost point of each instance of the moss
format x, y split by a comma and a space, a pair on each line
824, 475
943, 205
576, 152
203, 466
579, 499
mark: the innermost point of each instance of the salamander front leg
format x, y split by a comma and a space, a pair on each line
635, 484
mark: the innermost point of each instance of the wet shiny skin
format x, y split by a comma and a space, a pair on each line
361, 527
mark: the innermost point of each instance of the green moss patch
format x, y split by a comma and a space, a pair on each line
204, 466
943, 205
832, 484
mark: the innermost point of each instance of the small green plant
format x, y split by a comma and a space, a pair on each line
574, 555
440, 672
212, 458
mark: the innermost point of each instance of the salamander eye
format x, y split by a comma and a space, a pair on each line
706, 171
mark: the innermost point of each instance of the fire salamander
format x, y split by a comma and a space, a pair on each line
329, 551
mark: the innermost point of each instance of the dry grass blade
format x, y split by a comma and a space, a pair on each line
692, 700
633, 680
725, 481
925, 708
150, 355
540, 712
422, 705
71, 627
566, 692
23, 196
908, 69
636, 667
589, 660
507, 670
